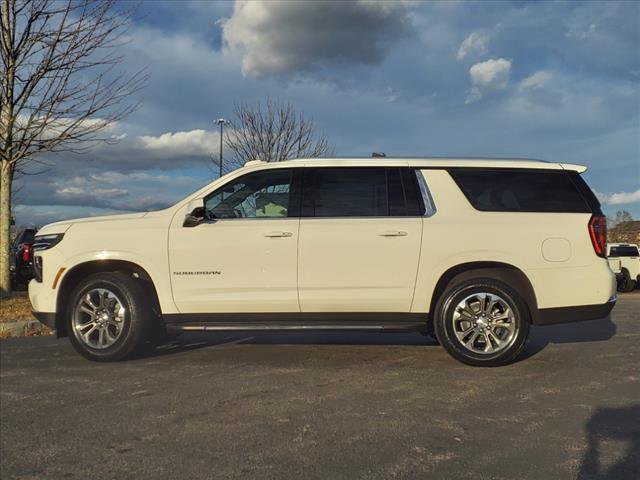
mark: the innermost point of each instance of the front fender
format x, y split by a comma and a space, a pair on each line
158, 271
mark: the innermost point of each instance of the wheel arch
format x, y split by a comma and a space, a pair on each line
504, 272
84, 269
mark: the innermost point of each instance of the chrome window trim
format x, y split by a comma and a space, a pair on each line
217, 220
429, 206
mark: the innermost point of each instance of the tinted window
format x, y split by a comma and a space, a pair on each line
345, 192
27, 236
262, 194
397, 201
586, 192
623, 251
361, 192
502, 190
415, 202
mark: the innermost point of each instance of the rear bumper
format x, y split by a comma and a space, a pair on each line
551, 316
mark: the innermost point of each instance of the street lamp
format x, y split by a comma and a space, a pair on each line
221, 122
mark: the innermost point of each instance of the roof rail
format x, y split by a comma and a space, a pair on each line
253, 162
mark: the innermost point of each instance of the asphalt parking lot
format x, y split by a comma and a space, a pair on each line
339, 406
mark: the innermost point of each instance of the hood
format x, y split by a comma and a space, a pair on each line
63, 226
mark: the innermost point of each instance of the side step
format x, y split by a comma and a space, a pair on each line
201, 327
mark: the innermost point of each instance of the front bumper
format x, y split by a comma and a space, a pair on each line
46, 318
552, 316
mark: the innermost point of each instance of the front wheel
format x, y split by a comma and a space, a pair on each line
482, 322
108, 317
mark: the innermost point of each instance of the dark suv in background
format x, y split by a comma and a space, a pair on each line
22, 257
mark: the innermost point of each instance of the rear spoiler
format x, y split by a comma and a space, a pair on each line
574, 167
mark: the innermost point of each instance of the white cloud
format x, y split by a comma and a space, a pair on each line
537, 80
619, 198
488, 77
390, 94
114, 191
292, 37
95, 192
475, 43
84, 187
54, 127
191, 142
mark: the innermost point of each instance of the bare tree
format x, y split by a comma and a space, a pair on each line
622, 227
272, 132
59, 86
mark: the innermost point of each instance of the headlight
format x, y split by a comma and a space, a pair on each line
45, 242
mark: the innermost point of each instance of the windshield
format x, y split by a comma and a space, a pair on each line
27, 236
624, 251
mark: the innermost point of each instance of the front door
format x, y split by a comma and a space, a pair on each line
360, 236
243, 257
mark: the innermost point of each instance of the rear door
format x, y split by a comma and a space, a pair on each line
360, 236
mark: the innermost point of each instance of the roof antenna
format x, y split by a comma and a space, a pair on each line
378, 154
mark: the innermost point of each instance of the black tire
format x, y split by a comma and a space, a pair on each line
626, 284
136, 323
444, 321
429, 332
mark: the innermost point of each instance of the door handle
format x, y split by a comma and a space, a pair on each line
278, 234
393, 233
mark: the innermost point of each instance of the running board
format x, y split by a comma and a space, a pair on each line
201, 327
374, 322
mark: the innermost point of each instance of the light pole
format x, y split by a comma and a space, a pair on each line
221, 122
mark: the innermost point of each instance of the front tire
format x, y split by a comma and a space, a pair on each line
108, 317
482, 322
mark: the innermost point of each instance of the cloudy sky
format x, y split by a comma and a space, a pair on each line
549, 80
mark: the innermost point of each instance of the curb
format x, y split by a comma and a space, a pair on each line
23, 328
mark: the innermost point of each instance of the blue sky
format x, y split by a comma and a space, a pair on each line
550, 80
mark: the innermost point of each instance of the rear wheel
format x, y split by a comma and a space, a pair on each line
108, 318
482, 322
626, 284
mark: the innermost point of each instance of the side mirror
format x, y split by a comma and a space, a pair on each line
195, 215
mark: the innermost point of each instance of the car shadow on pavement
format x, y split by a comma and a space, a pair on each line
576, 332
197, 340
612, 433
540, 337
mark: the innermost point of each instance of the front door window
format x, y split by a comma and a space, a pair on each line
256, 195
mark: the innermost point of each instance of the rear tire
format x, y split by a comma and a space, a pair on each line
108, 318
626, 284
482, 322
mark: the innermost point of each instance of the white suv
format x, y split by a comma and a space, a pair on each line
473, 251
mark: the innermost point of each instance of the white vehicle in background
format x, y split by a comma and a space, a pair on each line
624, 260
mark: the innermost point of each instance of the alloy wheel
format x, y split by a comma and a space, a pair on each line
484, 323
99, 318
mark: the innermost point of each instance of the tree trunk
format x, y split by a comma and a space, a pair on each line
6, 148
5, 227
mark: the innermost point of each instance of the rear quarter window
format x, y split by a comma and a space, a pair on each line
520, 190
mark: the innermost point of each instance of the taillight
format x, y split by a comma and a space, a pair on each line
598, 234
26, 252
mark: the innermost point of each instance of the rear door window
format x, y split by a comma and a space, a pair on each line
520, 190
345, 192
361, 192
